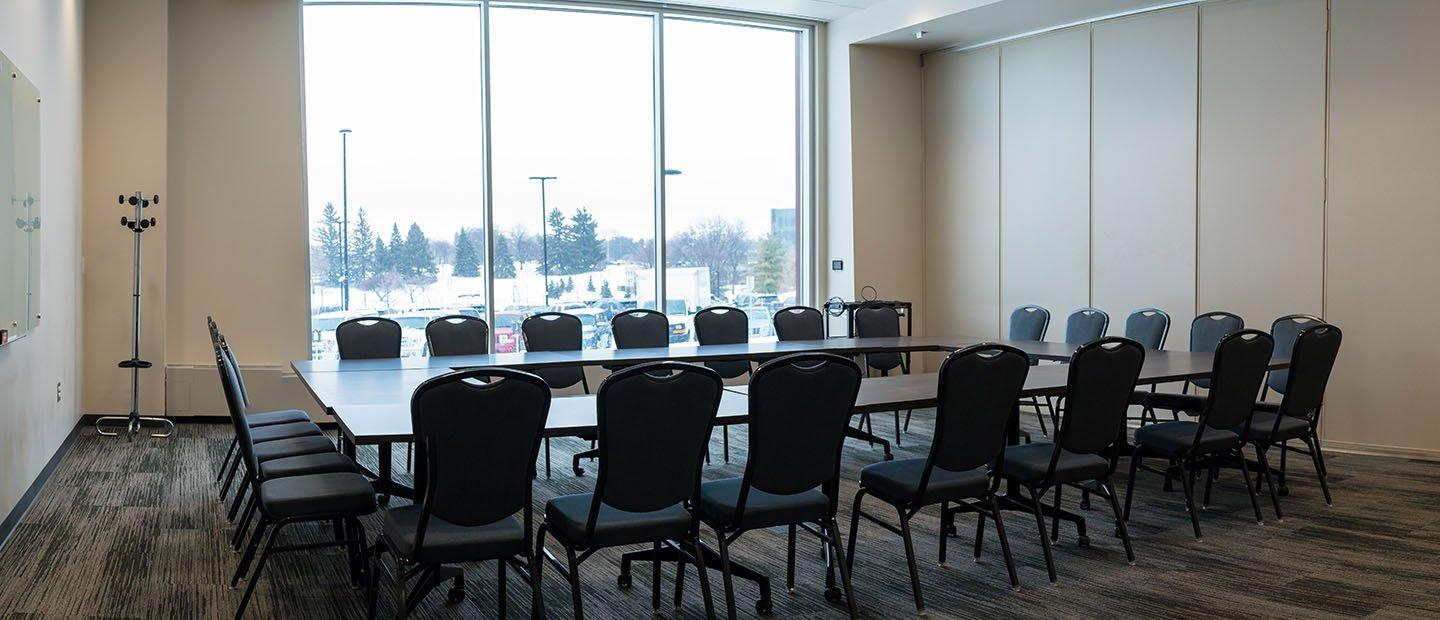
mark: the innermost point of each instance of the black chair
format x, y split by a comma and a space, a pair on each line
367, 338
557, 331
457, 334
654, 425
337, 497
876, 320
1149, 327
1029, 323
637, 328
1285, 330
799, 323
979, 386
1216, 437
1082, 326
1206, 332
1297, 416
1102, 375
800, 406
477, 434
724, 325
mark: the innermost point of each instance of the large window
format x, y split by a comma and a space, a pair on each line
547, 140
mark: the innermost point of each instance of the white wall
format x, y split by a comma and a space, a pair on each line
43, 39
1207, 165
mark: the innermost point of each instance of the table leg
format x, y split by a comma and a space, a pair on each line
861, 434
384, 482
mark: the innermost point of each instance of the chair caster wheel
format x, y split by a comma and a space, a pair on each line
1283, 491
623, 581
833, 594
763, 607
1083, 541
456, 595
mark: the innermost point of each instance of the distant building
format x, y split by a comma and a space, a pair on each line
782, 222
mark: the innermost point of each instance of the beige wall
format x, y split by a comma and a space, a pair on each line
1208, 162
44, 40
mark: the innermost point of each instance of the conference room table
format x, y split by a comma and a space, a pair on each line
370, 399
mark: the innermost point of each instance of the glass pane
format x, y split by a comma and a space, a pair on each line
731, 132
406, 180
573, 128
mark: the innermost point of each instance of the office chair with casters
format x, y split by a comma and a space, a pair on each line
557, 331
1206, 332
799, 323
724, 325
800, 406
1216, 437
457, 334
875, 320
654, 424
979, 388
637, 328
1297, 415
1102, 375
476, 444
1029, 323
314, 494
368, 338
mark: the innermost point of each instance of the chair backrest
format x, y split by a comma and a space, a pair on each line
800, 406
229, 383
1207, 330
477, 434
653, 423
368, 337
979, 386
1311, 360
225, 351
1240, 362
214, 331
640, 328
1029, 323
555, 331
1149, 327
876, 320
458, 334
1285, 330
1097, 394
799, 323
724, 325
1086, 325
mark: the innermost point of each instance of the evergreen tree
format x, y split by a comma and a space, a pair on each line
569, 284
418, 260
605, 290
467, 261
329, 240
555, 245
769, 263
504, 258
586, 250
394, 252
362, 258
590, 284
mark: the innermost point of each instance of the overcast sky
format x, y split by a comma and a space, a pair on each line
572, 99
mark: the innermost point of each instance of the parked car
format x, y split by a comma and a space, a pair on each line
762, 324
612, 306
682, 319
507, 332
412, 331
595, 330
322, 331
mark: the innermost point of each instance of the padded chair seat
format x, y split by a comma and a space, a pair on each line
567, 515
718, 500
295, 446
448, 543
317, 495
284, 431
1029, 463
899, 481
1203, 383
1166, 401
1177, 438
271, 418
318, 463
1263, 423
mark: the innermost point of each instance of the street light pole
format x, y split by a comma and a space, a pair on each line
344, 219
544, 240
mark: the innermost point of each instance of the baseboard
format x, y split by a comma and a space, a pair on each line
1369, 449
17, 514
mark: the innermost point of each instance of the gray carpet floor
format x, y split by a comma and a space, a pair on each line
134, 530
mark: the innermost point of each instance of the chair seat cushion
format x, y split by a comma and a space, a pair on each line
318, 495
567, 515
719, 498
1179, 437
1189, 403
1263, 423
1029, 463
295, 446
448, 543
318, 463
271, 418
284, 431
899, 481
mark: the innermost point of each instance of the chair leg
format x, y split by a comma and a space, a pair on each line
229, 478
238, 538
1187, 480
500, 594
855, 528
243, 566
1249, 488
1269, 482
1210, 475
655, 576
725, 574
725, 441
1135, 460
225, 462
1319, 460
547, 457
790, 551
1035, 497
910, 561
239, 497
704, 577
259, 566
908, 412
1004, 543
979, 533
537, 566
1284, 449
897, 427
575, 584
1055, 518
833, 531
1119, 522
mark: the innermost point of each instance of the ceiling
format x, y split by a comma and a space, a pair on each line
823, 10
1003, 19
